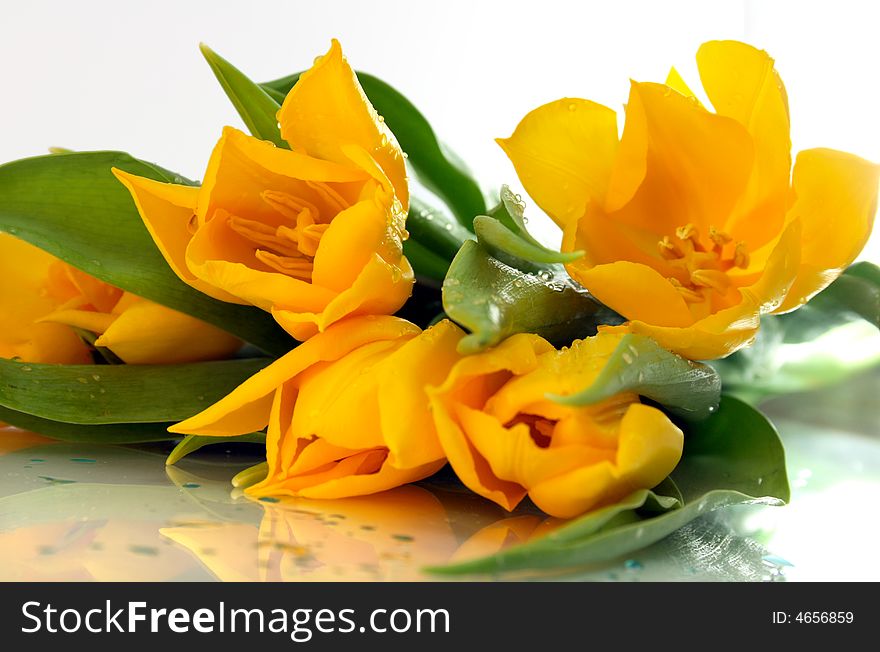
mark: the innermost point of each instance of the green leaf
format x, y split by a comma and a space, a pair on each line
494, 300
687, 389
435, 231
831, 338
504, 244
733, 457
440, 171
504, 234
256, 107
852, 296
191, 443
105, 394
74, 208
116, 433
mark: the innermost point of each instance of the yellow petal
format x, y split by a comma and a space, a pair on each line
696, 163
380, 289
167, 211
148, 333
471, 467
246, 409
88, 320
742, 84
327, 108
677, 83
715, 336
650, 447
406, 423
635, 291
563, 152
352, 238
221, 257
340, 483
836, 203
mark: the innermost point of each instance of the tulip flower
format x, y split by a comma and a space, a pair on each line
346, 411
693, 223
45, 301
505, 438
314, 234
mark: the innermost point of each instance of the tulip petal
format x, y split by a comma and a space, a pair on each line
742, 83
347, 244
342, 482
696, 163
649, 449
167, 210
87, 320
327, 109
836, 203
635, 291
563, 152
403, 403
380, 289
677, 83
246, 409
148, 333
715, 336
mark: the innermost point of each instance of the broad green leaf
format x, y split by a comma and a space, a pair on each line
439, 171
503, 232
255, 106
74, 208
733, 457
829, 339
435, 231
772, 367
426, 264
105, 394
854, 295
115, 433
494, 300
191, 443
687, 389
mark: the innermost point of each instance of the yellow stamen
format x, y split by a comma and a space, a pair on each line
297, 267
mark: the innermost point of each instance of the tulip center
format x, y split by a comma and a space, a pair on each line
290, 246
540, 428
702, 266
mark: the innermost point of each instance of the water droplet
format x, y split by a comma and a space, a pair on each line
448, 226
190, 485
383, 141
451, 281
518, 282
269, 499
627, 358
525, 219
405, 155
381, 118
572, 106
84, 381
26, 368
96, 377
633, 564
544, 275
83, 460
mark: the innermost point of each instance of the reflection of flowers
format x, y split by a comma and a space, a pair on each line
386, 536
693, 223
314, 234
44, 299
505, 439
345, 410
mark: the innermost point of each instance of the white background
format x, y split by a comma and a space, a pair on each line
116, 75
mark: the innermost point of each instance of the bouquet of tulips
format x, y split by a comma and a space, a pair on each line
305, 297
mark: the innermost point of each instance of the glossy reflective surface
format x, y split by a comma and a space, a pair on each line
85, 512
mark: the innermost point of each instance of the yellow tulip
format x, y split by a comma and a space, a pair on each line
346, 411
44, 299
313, 234
505, 439
693, 223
